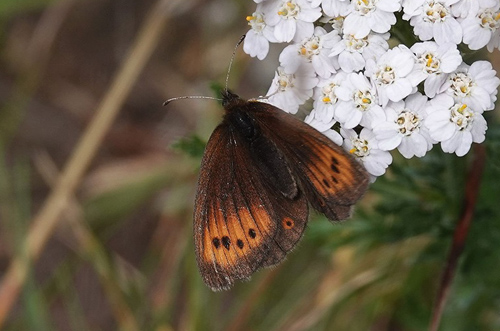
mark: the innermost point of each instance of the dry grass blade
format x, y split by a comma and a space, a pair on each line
47, 217
34, 65
93, 250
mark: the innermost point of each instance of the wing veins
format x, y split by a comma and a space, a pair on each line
227, 254
251, 212
247, 206
235, 206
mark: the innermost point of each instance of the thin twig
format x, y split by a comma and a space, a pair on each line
460, 235
44, 222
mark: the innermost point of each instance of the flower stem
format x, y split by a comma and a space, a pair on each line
461, 231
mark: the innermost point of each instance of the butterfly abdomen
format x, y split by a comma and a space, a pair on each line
269, 161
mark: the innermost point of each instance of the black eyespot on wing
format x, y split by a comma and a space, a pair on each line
240, 243
226, 242
334, 168
216, 242
252, 233
288, 223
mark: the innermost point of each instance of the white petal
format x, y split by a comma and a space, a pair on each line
356, 25
285, 30
381, 21
389, 5
351, 61
448, 31
353, 119
400, 89
433, 83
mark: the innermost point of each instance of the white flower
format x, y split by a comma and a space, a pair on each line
314, 50
464, 8
325, 97
337, 22
324, 127
434, 63
258, 37
410, 8
365, 149
358, 103
315, 3
393, 74
479, 29
455, 125
292, 19
474, 85
353, 52
288, 91
371, 15
404, 127
335, 8
433, 19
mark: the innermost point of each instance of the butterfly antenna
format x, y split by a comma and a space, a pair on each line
264, 97
227, 79
190, 97
232, 59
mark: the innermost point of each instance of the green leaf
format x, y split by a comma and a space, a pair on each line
193, 146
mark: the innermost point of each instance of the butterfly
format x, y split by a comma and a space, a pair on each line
261, 169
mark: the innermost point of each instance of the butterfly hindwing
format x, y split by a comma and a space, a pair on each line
331, 179
243, 219
289, 204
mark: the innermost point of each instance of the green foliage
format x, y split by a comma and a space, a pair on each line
422, 199
12, 7
192, 145
216, 88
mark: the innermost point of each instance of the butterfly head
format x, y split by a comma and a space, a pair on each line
231, 100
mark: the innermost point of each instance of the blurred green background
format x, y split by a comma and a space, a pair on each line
121, 255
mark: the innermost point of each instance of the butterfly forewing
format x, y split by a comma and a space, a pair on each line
242, 221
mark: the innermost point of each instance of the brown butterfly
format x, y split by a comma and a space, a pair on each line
260, 169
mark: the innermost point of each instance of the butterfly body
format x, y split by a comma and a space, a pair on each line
260, 169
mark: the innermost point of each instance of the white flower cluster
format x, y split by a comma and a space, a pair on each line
338, 54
